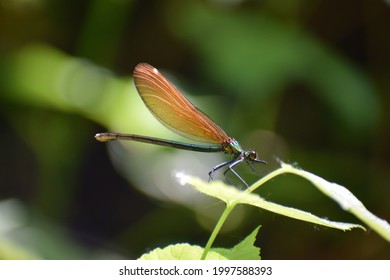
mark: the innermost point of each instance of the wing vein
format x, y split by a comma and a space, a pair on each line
172, 109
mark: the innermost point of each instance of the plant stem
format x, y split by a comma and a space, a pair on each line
230, 207
266, 178
232, 204
216, 230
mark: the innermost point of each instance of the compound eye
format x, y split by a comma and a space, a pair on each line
252, 155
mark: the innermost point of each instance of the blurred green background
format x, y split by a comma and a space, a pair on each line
303, 81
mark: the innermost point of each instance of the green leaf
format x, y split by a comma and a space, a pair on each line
245, 250
345, 199
232, 196
180, 252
